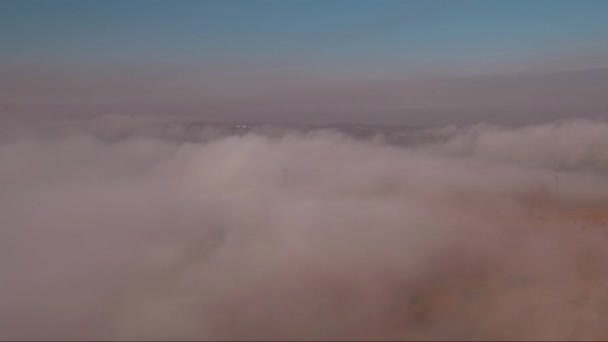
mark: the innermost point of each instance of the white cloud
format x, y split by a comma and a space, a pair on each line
301, 235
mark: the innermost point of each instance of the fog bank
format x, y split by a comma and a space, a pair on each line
120, 228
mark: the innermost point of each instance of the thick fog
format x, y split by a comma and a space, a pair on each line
122, 228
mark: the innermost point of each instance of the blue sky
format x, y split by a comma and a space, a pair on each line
398, 32
334, 39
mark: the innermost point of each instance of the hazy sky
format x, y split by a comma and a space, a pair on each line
322, 60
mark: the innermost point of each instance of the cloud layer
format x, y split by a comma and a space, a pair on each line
126, 229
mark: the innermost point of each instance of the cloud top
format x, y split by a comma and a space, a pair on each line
126, 229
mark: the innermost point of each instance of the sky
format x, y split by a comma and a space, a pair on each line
390, 61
